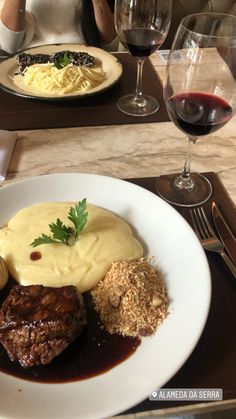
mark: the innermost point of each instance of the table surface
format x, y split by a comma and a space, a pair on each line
124, 151
127, 151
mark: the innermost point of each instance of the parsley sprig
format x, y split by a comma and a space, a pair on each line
62, 233
62, 61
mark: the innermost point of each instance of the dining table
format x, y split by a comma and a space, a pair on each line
92, 136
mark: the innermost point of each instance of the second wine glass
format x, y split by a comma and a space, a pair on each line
200, 94
142, 26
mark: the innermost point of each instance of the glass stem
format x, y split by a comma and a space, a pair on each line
187, 164
138, 96
184, 181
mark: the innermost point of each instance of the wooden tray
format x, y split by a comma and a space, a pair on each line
18, 113
213, 362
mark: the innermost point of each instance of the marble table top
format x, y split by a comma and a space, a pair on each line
124, 151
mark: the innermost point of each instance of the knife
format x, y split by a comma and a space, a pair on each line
224, 232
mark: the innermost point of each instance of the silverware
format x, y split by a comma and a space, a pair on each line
224, 232
208, 238
5, 54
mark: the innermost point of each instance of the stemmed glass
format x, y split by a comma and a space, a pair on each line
200, 94
142, 26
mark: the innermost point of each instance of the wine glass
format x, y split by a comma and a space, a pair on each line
200, 94
141, 26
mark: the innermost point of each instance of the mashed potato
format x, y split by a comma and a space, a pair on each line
105, 239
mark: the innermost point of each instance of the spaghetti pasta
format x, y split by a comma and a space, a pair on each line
47, 78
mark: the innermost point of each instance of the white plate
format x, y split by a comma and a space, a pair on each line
109, 63
167, 236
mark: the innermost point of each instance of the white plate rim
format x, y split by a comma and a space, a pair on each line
109, 406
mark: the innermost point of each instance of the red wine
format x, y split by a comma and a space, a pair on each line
198, 113
142, 42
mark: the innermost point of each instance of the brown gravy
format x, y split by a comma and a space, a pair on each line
94, 352
35, 255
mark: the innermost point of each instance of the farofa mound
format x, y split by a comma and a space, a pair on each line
132, 298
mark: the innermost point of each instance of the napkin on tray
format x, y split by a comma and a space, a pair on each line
7, 143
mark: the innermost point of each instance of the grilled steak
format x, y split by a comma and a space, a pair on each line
37, 323
76, 58
26, 60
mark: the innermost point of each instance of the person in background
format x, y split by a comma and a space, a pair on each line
26, 23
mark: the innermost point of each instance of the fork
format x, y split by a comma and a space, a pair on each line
208, 238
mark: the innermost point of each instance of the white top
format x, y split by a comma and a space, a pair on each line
47, 22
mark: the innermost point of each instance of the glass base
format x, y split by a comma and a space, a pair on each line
129, 106
197, 195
